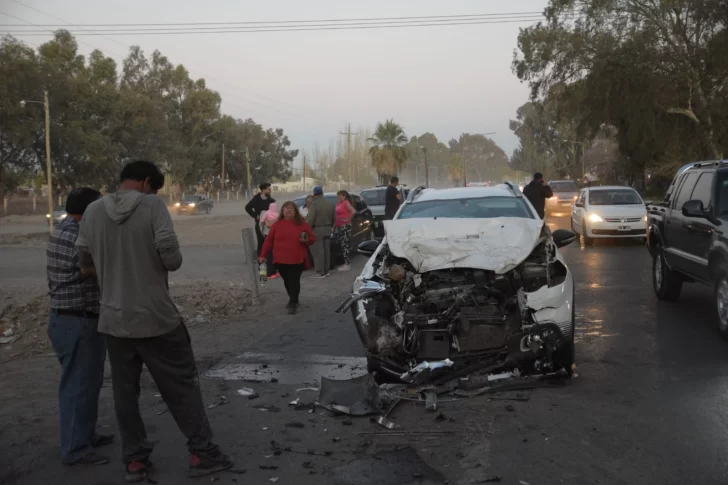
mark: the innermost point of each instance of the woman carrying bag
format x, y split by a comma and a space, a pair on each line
345, 212
289, 239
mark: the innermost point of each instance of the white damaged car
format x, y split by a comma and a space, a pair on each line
466, 280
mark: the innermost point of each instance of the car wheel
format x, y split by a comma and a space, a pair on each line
588, 241
566, 356
667, 283
721, 301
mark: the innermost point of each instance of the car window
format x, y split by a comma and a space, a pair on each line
686, 189
582, 197
374, 197
359, 204
723, 193
614, 197
703, 189
563, 187
192, 198
480, 208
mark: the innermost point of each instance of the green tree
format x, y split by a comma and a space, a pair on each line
388, 153
483, 159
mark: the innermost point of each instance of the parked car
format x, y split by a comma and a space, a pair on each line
59, 215
686, 237
375, 198
609, 212
465, 277
565, 194
194, 204
361, 225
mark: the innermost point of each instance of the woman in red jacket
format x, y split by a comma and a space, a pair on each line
289, 238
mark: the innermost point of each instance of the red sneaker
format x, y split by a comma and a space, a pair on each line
137, 471
277, 275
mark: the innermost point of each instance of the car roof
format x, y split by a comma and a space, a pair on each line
500, 190
610, 187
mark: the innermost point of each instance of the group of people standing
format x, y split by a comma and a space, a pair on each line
285, 238
107, 267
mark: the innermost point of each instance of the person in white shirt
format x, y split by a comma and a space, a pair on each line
304, 210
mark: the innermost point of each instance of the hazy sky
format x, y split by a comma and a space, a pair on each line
444, 79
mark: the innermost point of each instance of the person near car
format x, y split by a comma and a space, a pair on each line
128, 239
304, 210
73, 332
259, 203
267, 219
345, 212
288, 240
392, 199
321, 217
537, 192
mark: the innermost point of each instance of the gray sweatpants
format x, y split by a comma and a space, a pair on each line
321, 249
171, 363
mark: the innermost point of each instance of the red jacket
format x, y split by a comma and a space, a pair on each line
284, 239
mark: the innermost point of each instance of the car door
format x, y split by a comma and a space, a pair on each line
698, 234
675, 225
360, 221
578, 211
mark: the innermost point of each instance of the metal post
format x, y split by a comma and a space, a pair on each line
427, 170
251, 259
48, 159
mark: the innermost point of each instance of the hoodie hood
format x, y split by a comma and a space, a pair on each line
121, 205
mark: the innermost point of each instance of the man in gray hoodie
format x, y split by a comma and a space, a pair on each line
128, 239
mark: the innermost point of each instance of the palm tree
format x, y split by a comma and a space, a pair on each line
388, 153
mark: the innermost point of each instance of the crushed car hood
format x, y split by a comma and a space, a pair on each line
498, 244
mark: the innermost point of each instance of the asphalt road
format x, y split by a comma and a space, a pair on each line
648, 405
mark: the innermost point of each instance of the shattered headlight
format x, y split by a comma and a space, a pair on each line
363, 286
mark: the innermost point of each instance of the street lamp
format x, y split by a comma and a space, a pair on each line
48, 152
427, 170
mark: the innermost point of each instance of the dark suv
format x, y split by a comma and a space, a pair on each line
687, 237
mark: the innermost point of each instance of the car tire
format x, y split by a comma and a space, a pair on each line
588, 241
721, 300
666, 282
566, 356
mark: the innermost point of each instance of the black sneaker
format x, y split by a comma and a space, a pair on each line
201, 466
102, 440
137, 471
292, 308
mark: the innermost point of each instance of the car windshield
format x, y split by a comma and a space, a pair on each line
563, 187
614, 197
481, 208
374, 197
192, 198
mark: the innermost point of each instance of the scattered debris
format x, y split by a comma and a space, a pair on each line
268, 467
493, 479
384, 422
165, 410
221, 401
336, 439
288, 449
274, 479
267, 407
430, 400
295, 424
273, 380
356, 397
406, 433
295, 402
313, 389
443, 417
247, 391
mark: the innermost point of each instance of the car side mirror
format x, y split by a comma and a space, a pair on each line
563, 237
694, 208
578, 204
368, 247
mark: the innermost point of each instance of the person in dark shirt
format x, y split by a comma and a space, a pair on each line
261, 202
392, 199
537, 192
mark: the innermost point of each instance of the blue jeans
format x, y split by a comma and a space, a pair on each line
81, 350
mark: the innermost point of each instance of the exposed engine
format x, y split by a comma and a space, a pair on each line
464, 315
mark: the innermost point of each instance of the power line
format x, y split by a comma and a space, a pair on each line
297, 28
277, 22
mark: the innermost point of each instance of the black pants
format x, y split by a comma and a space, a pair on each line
291, 274
171, 362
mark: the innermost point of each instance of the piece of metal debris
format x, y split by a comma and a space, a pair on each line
405, 433
247, 391
424, 369
384, 422
430, 400
274, 479
295, 402
313, 389
288, 449
493, 479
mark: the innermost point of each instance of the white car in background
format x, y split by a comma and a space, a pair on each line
609, 212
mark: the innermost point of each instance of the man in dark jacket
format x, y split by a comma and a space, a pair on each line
261, 202
537, 192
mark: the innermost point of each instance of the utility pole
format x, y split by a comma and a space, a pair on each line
348, 134
48, 158
304, 173
427, 169
247, 168
222, 177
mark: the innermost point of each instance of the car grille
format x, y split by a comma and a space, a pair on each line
614, 232
622, 219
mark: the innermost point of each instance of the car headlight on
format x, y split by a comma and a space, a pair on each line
575, 197
595, 218
191, 204
48, 216
556, 197
645, 218
63, 216
177, 204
